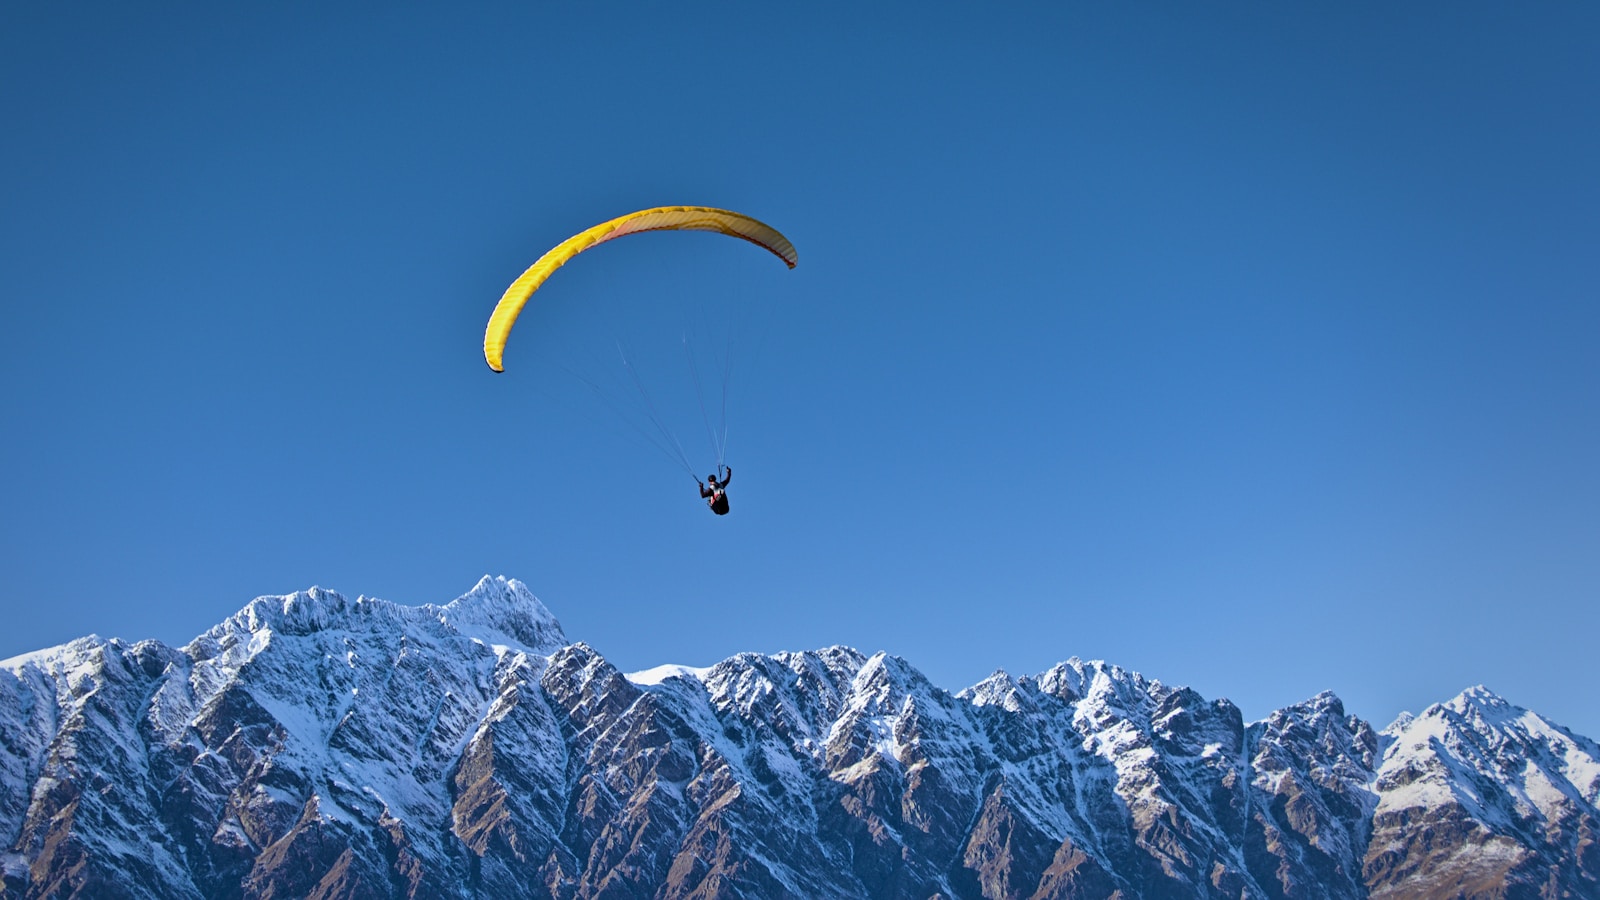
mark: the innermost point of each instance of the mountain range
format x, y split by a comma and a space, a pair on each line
313, 745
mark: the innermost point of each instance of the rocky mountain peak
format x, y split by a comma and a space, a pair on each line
999, 689
251, 629
501, 607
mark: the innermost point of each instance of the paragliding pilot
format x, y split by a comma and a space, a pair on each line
715, 492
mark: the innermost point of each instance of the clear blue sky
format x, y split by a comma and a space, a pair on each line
1251, 346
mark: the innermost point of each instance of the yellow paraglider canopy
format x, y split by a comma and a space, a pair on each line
662, 218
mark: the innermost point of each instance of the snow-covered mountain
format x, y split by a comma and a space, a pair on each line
315, 746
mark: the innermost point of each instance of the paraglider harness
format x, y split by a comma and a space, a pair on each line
714, 493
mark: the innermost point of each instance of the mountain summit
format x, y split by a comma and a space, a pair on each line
316, 746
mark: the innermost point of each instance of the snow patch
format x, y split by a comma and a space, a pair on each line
659, 674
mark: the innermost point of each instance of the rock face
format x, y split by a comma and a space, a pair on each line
314, 746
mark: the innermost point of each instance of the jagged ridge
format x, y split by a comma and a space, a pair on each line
315, 746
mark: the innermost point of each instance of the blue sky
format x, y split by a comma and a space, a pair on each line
1249, 346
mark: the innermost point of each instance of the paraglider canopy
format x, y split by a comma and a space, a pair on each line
661, 218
